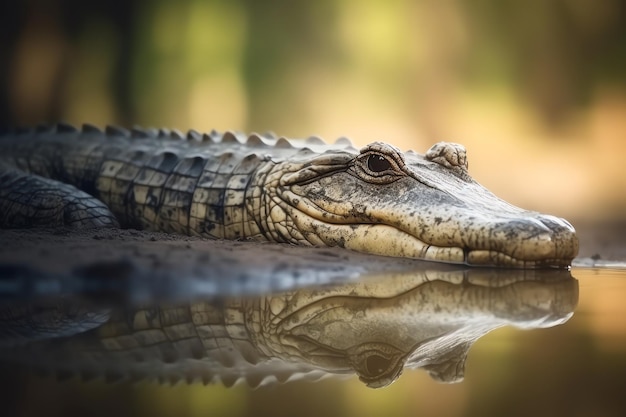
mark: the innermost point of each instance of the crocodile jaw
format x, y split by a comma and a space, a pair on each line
387, 240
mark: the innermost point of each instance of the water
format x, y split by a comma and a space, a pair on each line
577, 368
562, 352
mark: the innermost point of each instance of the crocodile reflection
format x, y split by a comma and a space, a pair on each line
375, 328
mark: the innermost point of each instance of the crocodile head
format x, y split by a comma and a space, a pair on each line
426, 319
386, 202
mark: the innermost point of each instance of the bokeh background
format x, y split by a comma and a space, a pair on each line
536, 91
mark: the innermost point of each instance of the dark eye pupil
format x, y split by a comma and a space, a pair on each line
376, 365
378, 163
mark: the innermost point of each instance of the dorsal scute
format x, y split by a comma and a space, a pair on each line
254, 380
254, 139
139, 133
111, 130
305, 151
163, 135
213, 136
315, 140
89, 128
164, 161
283, 142
65, 128
229, 380
207, 378
248, 163
176, 134
230, 137
226, 155
194, 135
283, 376
344, 141
191, 165
153, 132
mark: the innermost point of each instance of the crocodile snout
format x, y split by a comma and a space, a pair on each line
532, 241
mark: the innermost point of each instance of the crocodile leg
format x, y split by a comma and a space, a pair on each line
28, 200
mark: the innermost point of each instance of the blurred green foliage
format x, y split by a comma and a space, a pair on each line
258, 65
554, 53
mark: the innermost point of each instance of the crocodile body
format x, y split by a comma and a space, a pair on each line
227, 186
375, 328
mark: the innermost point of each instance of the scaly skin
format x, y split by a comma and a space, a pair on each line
374, 328
376, 200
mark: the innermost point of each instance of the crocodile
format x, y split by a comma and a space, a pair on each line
375, 327
376, 200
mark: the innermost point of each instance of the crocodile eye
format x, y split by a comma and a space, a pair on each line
378, 163
377, 365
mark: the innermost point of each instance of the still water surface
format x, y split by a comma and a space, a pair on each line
575, 366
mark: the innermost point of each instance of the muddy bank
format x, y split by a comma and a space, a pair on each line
214, 267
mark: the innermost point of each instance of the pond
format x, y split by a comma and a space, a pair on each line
483, 341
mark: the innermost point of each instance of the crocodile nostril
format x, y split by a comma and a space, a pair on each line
564, 235
554, 238
556, 224
526, 238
